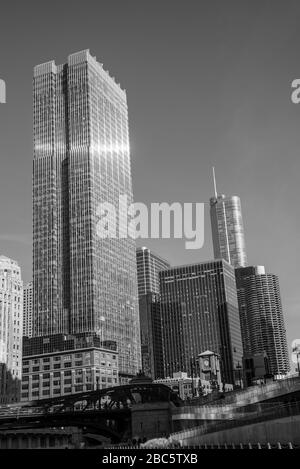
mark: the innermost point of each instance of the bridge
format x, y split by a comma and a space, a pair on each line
106, 412
143, 409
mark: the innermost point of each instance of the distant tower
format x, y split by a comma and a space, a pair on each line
149, 265
261, 316
227, 228
11, 328
27, 317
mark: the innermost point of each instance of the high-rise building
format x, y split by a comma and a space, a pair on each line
27, 311
149, 265
11, 328
199, 311
82, 282
228, 228
151, 336
261, 316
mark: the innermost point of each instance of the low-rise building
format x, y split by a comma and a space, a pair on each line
187, 387
67, 365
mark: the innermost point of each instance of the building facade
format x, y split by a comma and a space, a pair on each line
11, 328
228, 228
149, 265
151, 336
261, 315
186, 387
199, 311
27, 308
67, 364
82, 282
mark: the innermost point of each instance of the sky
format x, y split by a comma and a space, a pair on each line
208, 84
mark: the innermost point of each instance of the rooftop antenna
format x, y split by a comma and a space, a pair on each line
215, 183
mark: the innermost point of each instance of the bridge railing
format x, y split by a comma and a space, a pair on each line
277, 412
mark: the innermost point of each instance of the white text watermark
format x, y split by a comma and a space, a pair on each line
162, 221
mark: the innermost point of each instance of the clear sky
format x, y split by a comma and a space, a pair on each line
208, 83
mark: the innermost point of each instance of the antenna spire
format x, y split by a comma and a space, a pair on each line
215, 183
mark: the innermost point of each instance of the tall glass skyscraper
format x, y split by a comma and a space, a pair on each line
228, 229
81, 282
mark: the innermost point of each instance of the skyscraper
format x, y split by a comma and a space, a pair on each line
261, 315
82, 283
11, 328
149, 265
227, 228
27, 311
199, 311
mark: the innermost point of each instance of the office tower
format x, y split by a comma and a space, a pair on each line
261, 315
149, 265
151, 335
82, 282
227, 228
199, 312
11, 325
27, 311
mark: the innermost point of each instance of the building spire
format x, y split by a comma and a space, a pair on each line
215, 183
